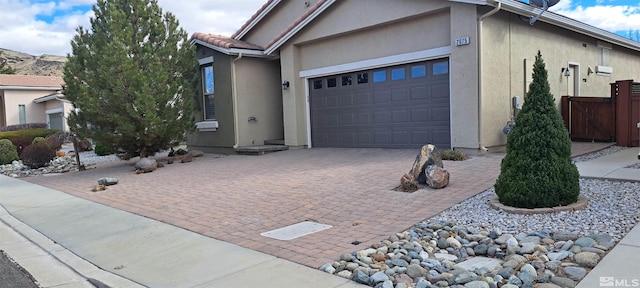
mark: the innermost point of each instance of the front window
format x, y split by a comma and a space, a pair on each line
208, 92
22, 114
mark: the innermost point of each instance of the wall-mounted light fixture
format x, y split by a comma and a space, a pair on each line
566, 72
285, 85
589, 71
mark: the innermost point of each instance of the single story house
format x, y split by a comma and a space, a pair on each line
393, 74
33, 99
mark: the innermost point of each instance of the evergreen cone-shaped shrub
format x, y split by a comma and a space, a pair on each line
8, 152
537, 170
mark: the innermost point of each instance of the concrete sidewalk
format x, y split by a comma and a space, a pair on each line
619, 267
86, 240
612, 166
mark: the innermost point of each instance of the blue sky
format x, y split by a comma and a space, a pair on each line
46, 26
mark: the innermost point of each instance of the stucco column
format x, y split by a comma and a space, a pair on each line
464, 76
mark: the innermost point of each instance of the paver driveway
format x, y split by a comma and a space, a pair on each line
235, 198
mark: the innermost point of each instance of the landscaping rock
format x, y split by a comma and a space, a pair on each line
429, 155
587, 259
575, 273
107, 181
408, 183
146, 165
186, 158
437, 177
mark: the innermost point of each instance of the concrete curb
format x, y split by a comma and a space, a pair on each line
582, 202
49, 263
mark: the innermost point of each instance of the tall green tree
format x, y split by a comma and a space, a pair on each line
4, 67
131, 78
537, 170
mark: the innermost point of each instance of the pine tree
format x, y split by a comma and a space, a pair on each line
4, 67
537, 170
131, 78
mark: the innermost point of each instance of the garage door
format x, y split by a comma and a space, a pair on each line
403, 106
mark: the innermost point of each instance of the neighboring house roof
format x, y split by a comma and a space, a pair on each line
54, 96
30, 82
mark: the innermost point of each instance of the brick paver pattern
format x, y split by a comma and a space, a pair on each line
235, 198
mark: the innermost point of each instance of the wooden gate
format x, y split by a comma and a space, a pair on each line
589, 118
627, 94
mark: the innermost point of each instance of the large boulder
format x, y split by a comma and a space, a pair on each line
146, 165
429, 155
436, 177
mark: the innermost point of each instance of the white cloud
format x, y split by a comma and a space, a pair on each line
21, 31
613, 18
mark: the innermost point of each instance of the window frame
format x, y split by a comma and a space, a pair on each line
206, 93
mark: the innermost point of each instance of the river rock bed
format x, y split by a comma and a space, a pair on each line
548, 250
62, 164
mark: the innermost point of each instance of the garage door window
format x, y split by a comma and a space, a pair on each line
397, 74
418, 71
440, 68
379, 76
317, 84
363, 78
346, 80
331, 82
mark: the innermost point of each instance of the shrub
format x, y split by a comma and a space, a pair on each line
39, 140
103, 150
21, 142
537, 170
33, 133
8, 152
19, 127
37, 155
56, 140
455, 155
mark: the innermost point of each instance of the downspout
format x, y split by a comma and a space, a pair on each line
234, 99
494, 11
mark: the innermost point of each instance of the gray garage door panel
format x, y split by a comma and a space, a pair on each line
368, 111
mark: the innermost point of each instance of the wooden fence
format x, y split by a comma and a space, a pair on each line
589, 118
605, 119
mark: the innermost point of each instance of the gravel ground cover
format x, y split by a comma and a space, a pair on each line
553, 250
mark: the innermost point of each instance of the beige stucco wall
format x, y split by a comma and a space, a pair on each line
504, 77
347, 33
35, 112
260, 98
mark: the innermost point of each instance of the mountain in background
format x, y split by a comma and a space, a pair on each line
26, 64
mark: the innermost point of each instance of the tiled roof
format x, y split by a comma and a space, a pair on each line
31, 81
224, 41
253, 17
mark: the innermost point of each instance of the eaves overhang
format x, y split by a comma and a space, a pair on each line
232, 51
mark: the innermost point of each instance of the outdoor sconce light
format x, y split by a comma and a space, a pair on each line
285, 85
589, 71
566, 72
